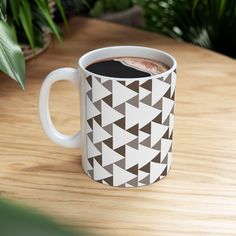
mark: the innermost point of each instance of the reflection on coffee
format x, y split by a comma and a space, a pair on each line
127, 67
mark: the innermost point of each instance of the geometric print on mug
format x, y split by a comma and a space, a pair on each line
129, 129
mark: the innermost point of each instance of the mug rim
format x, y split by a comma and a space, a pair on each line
166, 73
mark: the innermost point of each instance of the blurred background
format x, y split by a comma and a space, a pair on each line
207, 23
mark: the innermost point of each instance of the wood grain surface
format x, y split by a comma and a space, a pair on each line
199, 195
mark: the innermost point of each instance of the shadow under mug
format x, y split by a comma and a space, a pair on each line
126, 123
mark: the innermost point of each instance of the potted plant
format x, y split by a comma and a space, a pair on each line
25, 28
123, 11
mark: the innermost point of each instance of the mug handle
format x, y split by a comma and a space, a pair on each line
71, 75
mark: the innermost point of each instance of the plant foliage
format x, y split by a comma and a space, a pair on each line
16, 220
29, 19
208, 23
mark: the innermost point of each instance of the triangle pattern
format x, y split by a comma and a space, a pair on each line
158, 131
121, 176
109, 155
91, 149
159, 88
109, 115
143, 93
143, 135
167, 105
99, 91
165, 147
173, 83
91, 110
156, 170
99, 172
99, 134
121, 136
121, 93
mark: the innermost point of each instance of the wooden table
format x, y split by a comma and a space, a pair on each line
199, 195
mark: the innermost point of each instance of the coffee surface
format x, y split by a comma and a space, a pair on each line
127, 67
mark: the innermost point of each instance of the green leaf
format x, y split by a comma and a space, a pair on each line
43, 7
15, 6
26, 21
12, 61
3, 7
58, 2
16, 220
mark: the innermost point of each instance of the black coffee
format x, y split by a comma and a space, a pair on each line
127, 67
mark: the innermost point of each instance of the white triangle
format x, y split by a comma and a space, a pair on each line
142, 175
121, 93
88, 129
140, 184
173, 83
165, 146
169, 161
99, 91
121, 136
158, 131
140, 157
92, 111
131, 115
142, 136
156, 170
99, 134
147, 114
167, 105
109, 114
109, 156
92, 150
99, 172
171, 123
121, 176
143, 93
142, 115
159, 88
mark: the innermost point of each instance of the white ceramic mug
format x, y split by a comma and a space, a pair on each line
126, 125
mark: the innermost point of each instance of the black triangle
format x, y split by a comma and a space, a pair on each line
171, 136
108, 100
173, 96
90, 160
167, 94
90, 173
108, 85
166, 136
109, 180
165, 160
147, 128
147, 85
157, 146
158, 119
121, 163
147, 100
109, 142
89, 80
157, 158
98, 146
164, 173
122, 82
145, 180
121, 150
134, 143
158, 105
97, 104
133, 169
99, 159
90, 123
134, 129
90, 135
146, 168
108, 128
98, 119
134, 86
134, 101
90, 95
146, 142
109, 168
168, 79
121, 123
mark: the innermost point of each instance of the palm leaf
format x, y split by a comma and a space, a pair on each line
58, 2
12, 60
15, 6
43, 7
3, 7
26, 21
